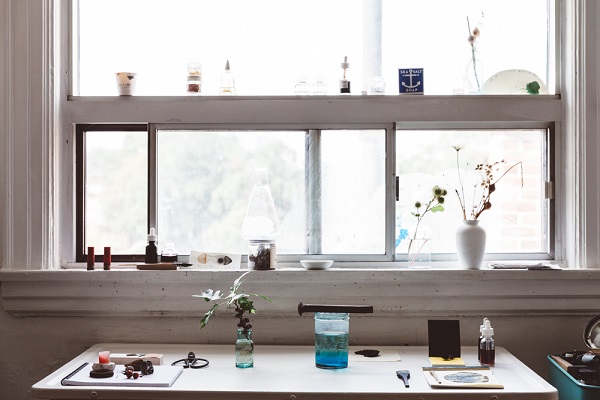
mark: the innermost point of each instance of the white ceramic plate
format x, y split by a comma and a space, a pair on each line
512, 81
316, 264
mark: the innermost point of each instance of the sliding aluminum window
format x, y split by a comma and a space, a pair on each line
345, 192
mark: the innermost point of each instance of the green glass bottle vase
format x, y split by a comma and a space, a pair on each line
244, 349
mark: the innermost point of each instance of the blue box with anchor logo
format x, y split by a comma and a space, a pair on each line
411, 81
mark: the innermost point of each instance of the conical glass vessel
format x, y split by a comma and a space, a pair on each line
261, 225
261, 221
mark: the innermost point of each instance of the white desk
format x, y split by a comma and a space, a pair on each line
289, 373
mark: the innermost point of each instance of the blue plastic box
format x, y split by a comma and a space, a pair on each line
568, 388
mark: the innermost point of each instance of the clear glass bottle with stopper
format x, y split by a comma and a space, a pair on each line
227, 87
261, 224
345, 81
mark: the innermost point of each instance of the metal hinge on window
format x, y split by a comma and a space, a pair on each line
549, 190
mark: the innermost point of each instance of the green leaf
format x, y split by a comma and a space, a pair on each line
437, 208
209, 313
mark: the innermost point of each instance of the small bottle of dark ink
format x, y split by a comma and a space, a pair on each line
151, 249
487, 345
345, 80
480, 338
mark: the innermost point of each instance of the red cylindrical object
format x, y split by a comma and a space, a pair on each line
90, 258
107, 258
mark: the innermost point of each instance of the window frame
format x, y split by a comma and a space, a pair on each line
299, 112
391, 129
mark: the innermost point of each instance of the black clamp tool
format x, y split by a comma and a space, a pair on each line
404, 375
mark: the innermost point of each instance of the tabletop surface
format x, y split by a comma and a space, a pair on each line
289, 372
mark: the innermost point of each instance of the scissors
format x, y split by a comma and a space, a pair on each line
191, 361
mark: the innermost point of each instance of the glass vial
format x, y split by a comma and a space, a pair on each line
194, 77
480, 338
151, 249
345, 80
487, 346
227, 87
244, 349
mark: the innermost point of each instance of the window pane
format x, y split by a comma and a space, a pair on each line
116, 191
516, 222
353, 174
205, 179
272, 44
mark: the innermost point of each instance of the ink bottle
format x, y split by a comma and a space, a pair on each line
345, 81
487, 345
151, 249
169, 253
480, 338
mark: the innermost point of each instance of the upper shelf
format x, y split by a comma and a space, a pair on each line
491, 110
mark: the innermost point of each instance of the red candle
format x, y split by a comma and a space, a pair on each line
103, 357
107, 258
90, 258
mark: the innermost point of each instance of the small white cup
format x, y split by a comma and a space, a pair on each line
126, 83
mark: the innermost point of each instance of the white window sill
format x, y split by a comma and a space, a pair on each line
394, 292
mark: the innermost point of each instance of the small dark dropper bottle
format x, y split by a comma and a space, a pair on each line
151, 249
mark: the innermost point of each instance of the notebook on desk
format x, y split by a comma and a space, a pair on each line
163, 376
462, 377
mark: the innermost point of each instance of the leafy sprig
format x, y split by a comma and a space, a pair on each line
242, 302
435, 204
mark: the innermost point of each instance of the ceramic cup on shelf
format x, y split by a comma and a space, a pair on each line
126, 82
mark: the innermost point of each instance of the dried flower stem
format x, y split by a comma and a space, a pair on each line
490, 187
461, 199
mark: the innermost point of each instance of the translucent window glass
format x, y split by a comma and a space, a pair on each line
517, 219
116, 190
282, 47
353, 187
205, 179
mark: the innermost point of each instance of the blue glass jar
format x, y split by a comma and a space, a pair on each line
331, 340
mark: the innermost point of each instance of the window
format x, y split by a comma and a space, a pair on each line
273, 45
328, 186
332, 159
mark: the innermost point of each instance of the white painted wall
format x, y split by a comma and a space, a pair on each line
48, 319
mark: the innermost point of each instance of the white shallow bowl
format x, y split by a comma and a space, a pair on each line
316, 264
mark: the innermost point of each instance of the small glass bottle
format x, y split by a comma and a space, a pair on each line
244, 349
194, 77
227, 87
487, 346
169, 253
480, 338
151, 249
345, 80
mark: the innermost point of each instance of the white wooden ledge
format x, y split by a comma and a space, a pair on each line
390, 292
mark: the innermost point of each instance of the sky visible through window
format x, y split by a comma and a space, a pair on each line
271, 44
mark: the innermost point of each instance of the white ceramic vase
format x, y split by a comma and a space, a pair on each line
470, 244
